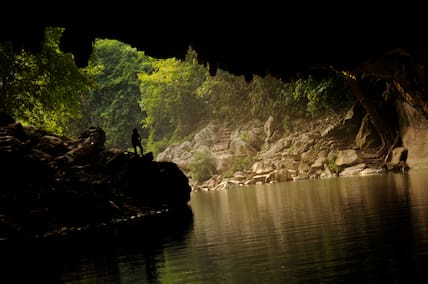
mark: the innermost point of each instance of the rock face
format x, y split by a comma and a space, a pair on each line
50, 182
333, 145
414, 133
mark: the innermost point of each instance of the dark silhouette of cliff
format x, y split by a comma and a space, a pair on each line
52, 185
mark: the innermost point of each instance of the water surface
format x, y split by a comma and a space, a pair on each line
370, 229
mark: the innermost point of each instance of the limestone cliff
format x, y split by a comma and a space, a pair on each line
334, 144
414, 134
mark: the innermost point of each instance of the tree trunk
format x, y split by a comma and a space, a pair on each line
379, 121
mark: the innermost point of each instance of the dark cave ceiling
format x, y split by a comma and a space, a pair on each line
280, 40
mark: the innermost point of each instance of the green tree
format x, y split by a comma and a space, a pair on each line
321, 94
169, 100
43, 89
268, 96
226, 95
18, 80
202, 166
114, 106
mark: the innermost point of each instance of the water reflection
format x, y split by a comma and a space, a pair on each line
370, 229
346, 229
121, 254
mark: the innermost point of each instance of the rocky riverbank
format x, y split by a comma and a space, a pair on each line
335, 144
53, 186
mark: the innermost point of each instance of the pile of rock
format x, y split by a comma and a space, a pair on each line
326, 147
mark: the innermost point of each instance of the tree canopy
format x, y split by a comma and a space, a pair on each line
43, 89
113, 105
166, 99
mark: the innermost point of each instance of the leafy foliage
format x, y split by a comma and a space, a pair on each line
168, 99
202, 166
19, 80
113, 106
226, 95
43, 89
178, 95
305, 96
240, 164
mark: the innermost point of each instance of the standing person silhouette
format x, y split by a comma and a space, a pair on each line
136, 141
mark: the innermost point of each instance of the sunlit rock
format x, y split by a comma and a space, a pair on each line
346, 157
353, 170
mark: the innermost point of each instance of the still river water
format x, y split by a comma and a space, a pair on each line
371, 229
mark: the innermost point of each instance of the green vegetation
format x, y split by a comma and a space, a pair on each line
43, 89
166, 99
202, 166
331, 164
113, 106
245, 136
240, 164
169, 100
